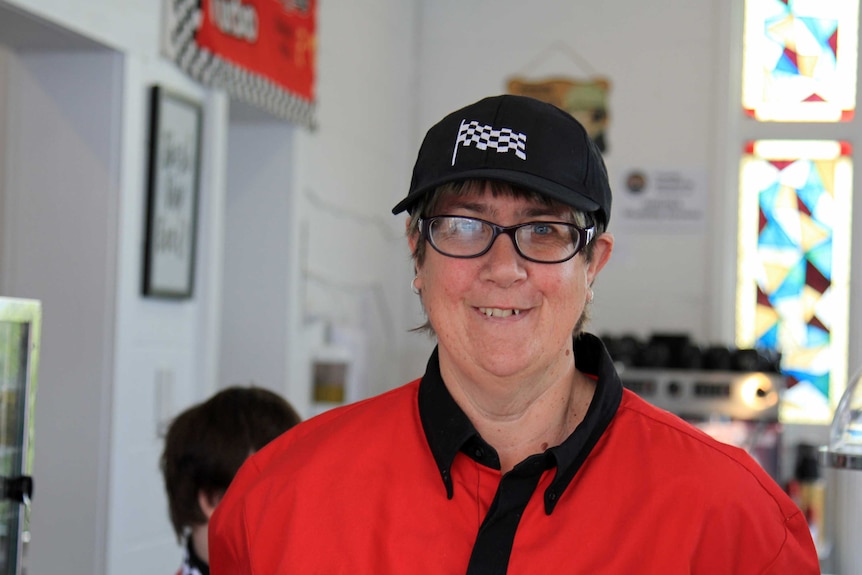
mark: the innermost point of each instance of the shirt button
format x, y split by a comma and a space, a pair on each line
552, 496
479, 453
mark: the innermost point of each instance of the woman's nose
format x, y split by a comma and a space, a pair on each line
502, 263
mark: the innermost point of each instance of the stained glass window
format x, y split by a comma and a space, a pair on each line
799, 60
793, 276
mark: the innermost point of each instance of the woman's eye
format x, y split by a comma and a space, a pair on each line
468, 226
542, 229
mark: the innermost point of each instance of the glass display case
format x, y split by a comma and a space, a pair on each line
20, 322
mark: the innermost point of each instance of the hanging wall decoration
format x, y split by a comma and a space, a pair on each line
172, 195
262, 52
584, 98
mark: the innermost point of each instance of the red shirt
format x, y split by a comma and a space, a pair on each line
358, 490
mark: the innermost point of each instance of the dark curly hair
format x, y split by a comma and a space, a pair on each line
206, 444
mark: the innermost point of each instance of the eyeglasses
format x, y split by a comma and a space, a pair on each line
541, 242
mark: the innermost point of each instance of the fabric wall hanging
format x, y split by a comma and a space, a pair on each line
585, 98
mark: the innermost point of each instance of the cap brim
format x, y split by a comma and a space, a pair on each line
577, 199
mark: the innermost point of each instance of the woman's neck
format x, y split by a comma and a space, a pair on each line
520, 419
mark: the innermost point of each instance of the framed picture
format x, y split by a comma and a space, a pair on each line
172, 195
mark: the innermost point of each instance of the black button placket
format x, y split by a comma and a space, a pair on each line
449, 432
493, 545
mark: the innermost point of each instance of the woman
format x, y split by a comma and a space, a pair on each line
518, 451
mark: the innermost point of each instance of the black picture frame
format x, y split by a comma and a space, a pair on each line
173, 179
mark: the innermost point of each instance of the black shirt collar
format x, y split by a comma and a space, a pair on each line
448, 430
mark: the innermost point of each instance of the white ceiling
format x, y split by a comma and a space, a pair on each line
21, 31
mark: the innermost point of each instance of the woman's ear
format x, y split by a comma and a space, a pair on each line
602, 249
208, 502
412, 238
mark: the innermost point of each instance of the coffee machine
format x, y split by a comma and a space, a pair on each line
731, 394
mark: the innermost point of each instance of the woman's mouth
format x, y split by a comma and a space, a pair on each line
498, 312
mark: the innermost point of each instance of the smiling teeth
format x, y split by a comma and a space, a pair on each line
496, 312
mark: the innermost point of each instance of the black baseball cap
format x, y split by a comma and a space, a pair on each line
519, 140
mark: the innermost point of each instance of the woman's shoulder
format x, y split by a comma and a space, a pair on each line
669, 451
328, 447
682, 445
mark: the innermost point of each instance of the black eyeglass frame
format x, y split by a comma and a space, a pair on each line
585, 236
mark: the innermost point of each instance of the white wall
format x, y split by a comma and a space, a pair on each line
131, 26
322, 199
76, 147
353, 266
256, 270
164, 357
60, 188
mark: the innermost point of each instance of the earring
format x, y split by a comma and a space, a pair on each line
590, 295
413, 287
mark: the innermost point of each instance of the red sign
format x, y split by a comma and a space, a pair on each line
274, 39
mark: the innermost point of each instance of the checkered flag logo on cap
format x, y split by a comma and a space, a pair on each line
484, 137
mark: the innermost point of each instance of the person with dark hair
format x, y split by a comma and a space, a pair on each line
205, 445
519, 450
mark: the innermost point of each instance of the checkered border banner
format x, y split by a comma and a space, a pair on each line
183, 19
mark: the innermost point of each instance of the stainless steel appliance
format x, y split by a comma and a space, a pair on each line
842, 460
739, 408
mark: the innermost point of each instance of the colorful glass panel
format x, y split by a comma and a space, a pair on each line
799, 60
794, 259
